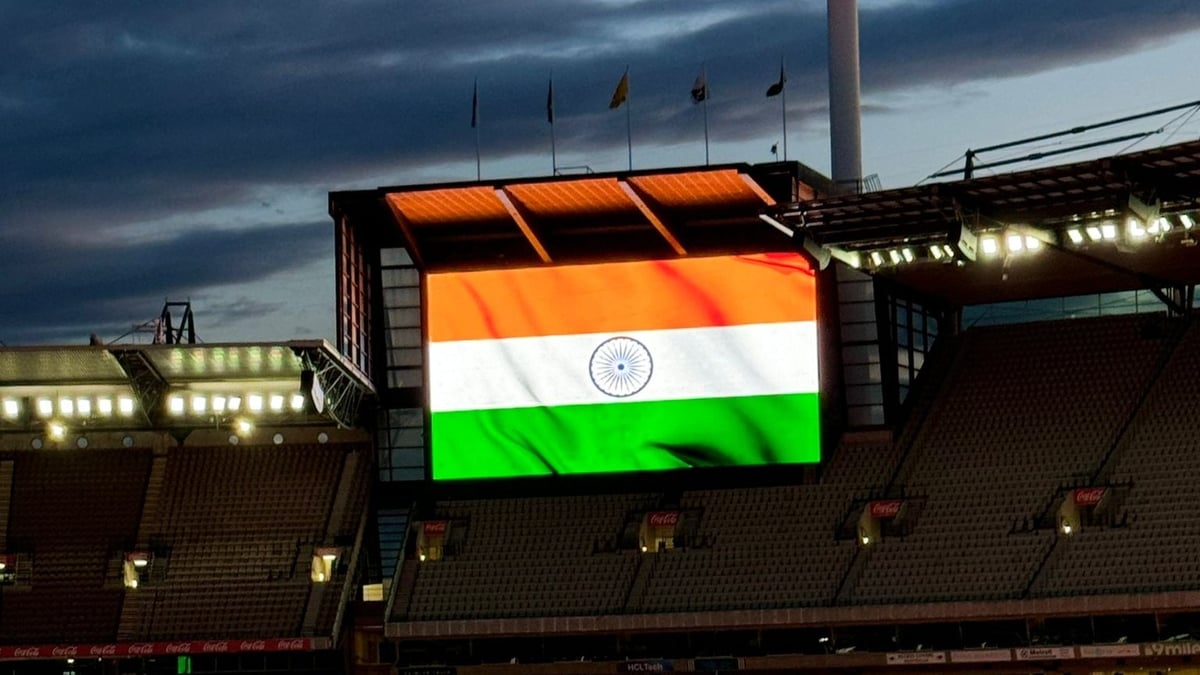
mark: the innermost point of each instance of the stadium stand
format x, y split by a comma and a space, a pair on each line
70, 513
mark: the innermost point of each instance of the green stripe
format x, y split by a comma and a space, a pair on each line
641, 436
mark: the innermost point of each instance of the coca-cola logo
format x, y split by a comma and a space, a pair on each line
252, 645
103, 650
435, 527
292, 644
141, 650
178, 647
887, 508
64, 651
1089, 496
215, 646
663, 518
27, 652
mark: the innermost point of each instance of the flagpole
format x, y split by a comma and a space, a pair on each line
704, 70
628, 122
783, 106
475, 118
550, 115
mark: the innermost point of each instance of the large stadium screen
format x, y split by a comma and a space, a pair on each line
631, 366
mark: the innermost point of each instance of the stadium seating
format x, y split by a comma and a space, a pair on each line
1016, 417
71, 512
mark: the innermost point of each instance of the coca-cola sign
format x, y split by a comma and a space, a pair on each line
27, 652
885, 508
143, 649
252, 645
65, 651
214, 646
292, 645
178, 648
102, 650
1089, 496
663, 518
435, 527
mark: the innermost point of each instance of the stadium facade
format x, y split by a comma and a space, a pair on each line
699, 419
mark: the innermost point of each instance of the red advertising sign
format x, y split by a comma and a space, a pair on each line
662, 518
436, 527
139, 649
885, 508
1089, 496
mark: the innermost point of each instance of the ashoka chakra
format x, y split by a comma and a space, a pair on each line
621, 366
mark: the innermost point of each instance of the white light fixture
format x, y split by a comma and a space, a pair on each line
254, 403
218, 403
876, 258
297, 402
234, 404
894, 255
866, 539
11, 408
55, 431
1187, 221
275, 402
175, 405
125, 405
1016, 243
936, 252
84, 406
989, 245
1108, 230
1032, 243
1066, 528
1094, 233
1135, 229
1075, 235
104, 406
243, 427
908, 254
66, 407
199, 404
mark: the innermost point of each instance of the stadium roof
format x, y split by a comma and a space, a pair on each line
1046, 204
584, 218
151, 372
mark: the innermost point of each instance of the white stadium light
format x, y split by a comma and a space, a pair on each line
84, 406
1016, 243
1075, 235
936, 252
175, 405
55, 431
894, 255
104, 406
1108, 230
1094, 233
1134, 226
297, 402
199, 404
45, 407
125, 405
234, 404
66, 407
276, 402
876, 258
908, 254
989, 245
218, 403
11, 408
254, 403
1032, 243
1187, 221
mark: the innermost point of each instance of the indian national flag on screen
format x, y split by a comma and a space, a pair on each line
630, 366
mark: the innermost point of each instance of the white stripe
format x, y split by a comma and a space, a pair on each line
717, 362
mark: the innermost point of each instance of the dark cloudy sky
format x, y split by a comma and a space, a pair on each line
184, 150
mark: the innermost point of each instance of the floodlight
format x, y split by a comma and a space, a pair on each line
254, 402
175, 405
297, 402
84, 406
936, 252
1094, 233
422, 556
140, 562
1076, 236
1134, 226
1066, 528
876, 258
989, 245
866, 539
1016, 243
234, 404
199, 404
1032, 243
45, 407
11, 408
55, 431
275, 402
894, 255
243, 427
1108, 230
328, 557
218, 403
908, 254
66, 407
1187, 221
125, 405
